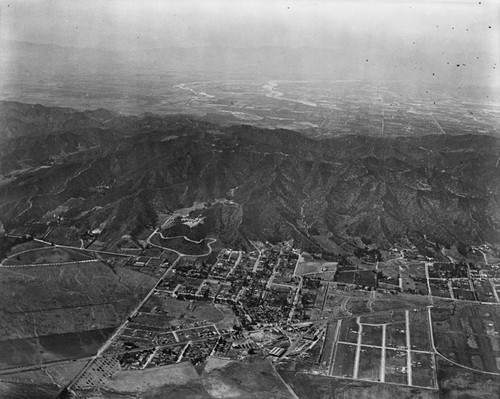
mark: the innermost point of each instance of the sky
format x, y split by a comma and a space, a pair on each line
449, 41
138, 24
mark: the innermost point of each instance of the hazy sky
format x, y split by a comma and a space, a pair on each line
131, 24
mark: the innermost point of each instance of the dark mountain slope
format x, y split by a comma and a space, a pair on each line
283, 184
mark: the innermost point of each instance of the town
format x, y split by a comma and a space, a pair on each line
375, 321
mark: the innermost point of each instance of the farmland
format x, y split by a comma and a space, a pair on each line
469, 335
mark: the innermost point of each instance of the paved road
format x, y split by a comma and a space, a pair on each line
50, 264
256, 264
236, 263
295, 299
382, 357
344, 304
209, 245
82, 249
358, 348
408, 346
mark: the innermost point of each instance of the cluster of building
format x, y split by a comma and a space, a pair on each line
275, 299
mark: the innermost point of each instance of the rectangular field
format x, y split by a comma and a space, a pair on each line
343, 363
369, 363
396, 335
419, 331
349, 331
395, 367
422, 365
372, 335
311, 267
329, 344
320, 298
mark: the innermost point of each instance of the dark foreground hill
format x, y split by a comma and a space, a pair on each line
73, 172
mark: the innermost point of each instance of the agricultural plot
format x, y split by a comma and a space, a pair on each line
181, 312
314, 267
484, 291
329, 344
321, 295
419, 331
332, 301
461, 290
440, 288
100, 370
469, 335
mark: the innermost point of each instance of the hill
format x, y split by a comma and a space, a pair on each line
67, 172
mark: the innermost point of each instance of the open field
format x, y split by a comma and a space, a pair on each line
423, 366
369, 364
50, 348
349, 331
220, 378
329, 344
308, 386
62, 312
396, 335
457, 382
25, 247
64, 236
46, 255
177, 380
139, 381
311, 267
252, 379
343, 362
8, 245
60, 319
181, 312
14, 390
419, 331
372, 335
39, 383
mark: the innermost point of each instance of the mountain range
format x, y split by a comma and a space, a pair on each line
76, 171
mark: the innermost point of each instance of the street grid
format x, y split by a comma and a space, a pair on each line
394, 360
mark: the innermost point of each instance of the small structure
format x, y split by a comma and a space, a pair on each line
277, 351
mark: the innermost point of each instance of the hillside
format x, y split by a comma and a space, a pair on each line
71, 172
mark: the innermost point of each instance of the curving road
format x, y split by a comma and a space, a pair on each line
210, 241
